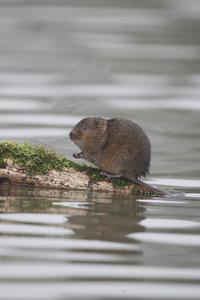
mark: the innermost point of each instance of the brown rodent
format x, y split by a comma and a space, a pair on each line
117, 146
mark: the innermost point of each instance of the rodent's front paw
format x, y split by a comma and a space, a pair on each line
78, 155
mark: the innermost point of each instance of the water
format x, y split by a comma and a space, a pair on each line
61, 62
89, 245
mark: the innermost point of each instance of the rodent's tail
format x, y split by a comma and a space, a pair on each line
152, 188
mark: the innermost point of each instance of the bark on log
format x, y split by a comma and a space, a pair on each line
66, 178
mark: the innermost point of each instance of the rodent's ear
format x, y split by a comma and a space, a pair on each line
103, 125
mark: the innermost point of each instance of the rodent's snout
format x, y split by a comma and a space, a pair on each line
71, 135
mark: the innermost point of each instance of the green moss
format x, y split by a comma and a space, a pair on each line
36, 159
95, 174
33, 159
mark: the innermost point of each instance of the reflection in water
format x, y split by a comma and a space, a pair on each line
108, 222
89, 215
67, 238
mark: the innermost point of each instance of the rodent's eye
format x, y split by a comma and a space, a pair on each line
84, 128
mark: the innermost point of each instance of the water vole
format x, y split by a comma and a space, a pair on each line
116, 146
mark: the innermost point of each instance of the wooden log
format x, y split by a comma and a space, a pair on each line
26, 164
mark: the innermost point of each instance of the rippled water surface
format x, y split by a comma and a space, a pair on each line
61, 61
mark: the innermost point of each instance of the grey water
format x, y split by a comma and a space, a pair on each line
61, 61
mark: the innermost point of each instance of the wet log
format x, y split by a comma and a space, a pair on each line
33, 165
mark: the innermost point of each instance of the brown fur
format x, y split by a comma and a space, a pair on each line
117, 146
